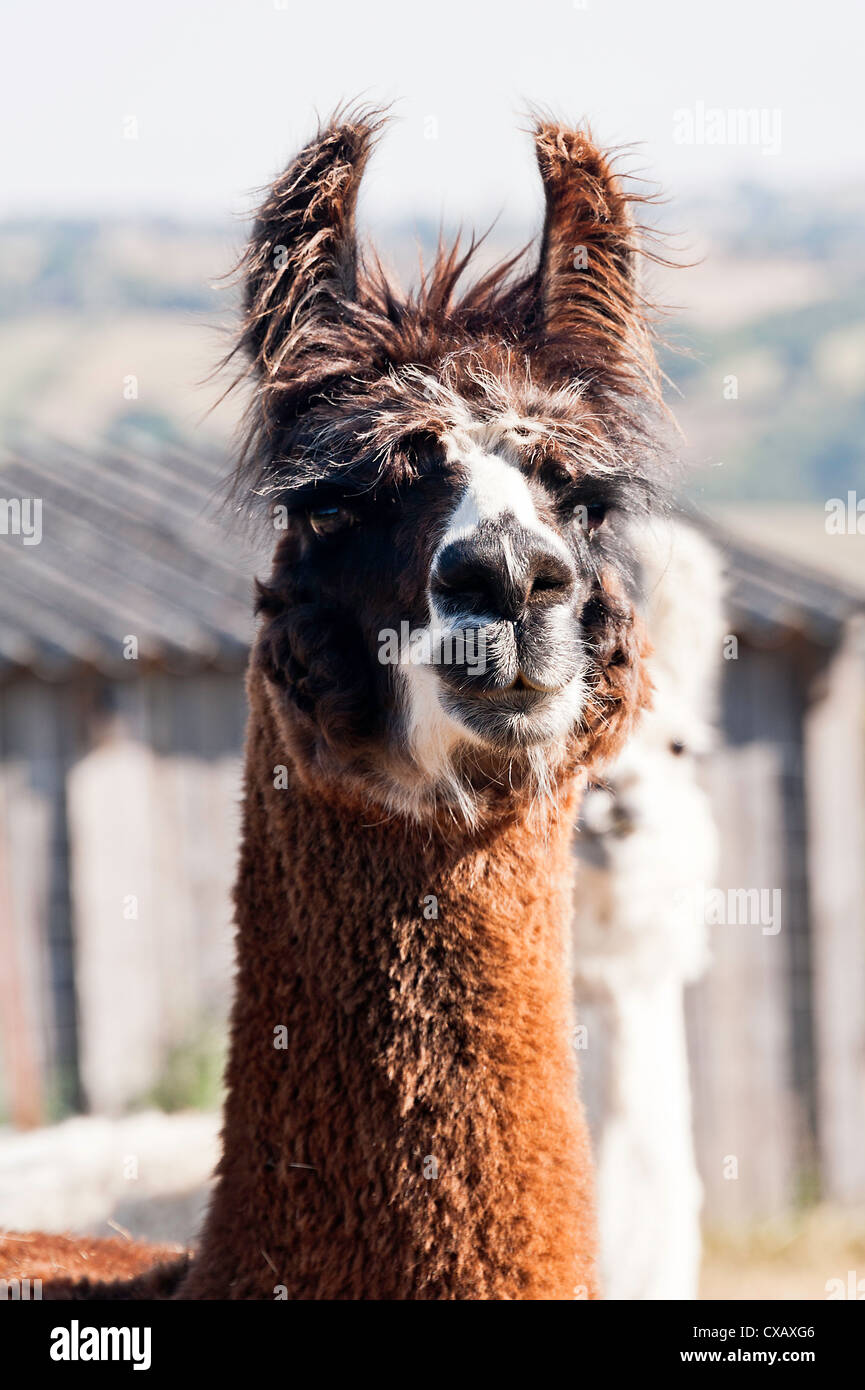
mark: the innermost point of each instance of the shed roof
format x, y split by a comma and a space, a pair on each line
132, 545
770, 589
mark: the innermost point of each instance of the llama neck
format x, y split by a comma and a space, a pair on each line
402, 1118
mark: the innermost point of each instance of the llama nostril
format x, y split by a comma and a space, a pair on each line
500, 575
551, 578
462, 580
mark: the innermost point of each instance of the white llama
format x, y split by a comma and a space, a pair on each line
647, 838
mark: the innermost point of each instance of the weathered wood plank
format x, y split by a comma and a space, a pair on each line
740, 1029
835, 770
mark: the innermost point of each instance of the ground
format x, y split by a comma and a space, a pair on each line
796, 1257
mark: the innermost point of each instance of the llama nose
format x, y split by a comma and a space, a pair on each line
501, 576
501, 573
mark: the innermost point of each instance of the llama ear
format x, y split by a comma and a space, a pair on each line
588, 316
300, 268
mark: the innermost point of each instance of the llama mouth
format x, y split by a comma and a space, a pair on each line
523, 684
520, 716
519, 698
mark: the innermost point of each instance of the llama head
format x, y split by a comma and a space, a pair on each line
448, 617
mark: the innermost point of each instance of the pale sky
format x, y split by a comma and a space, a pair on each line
223, 91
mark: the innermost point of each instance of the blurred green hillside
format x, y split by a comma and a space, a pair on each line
112, 329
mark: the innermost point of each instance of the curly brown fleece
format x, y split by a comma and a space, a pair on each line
418, 1136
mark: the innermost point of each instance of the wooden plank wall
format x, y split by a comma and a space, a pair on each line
40, 736
738, 1015
835, 761
751, 1018
154, 827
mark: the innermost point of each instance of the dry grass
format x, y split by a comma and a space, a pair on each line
793, 1257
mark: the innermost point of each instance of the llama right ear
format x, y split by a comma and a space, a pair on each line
300, 268
588, 318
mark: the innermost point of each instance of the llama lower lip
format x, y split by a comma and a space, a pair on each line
530, 683
515, 718
517, 697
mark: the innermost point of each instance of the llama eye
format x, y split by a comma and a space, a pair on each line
418, 445
554, 476
590, 515
326, 521
677, 747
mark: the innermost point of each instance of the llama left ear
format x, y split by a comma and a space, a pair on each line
300, 269
588, 318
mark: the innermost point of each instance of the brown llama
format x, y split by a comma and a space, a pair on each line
447, 651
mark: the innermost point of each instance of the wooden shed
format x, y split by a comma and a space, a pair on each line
123, 637
777, 1027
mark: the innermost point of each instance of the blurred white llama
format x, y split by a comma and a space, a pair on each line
647, 839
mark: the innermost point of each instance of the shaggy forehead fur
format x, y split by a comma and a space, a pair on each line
349, 366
